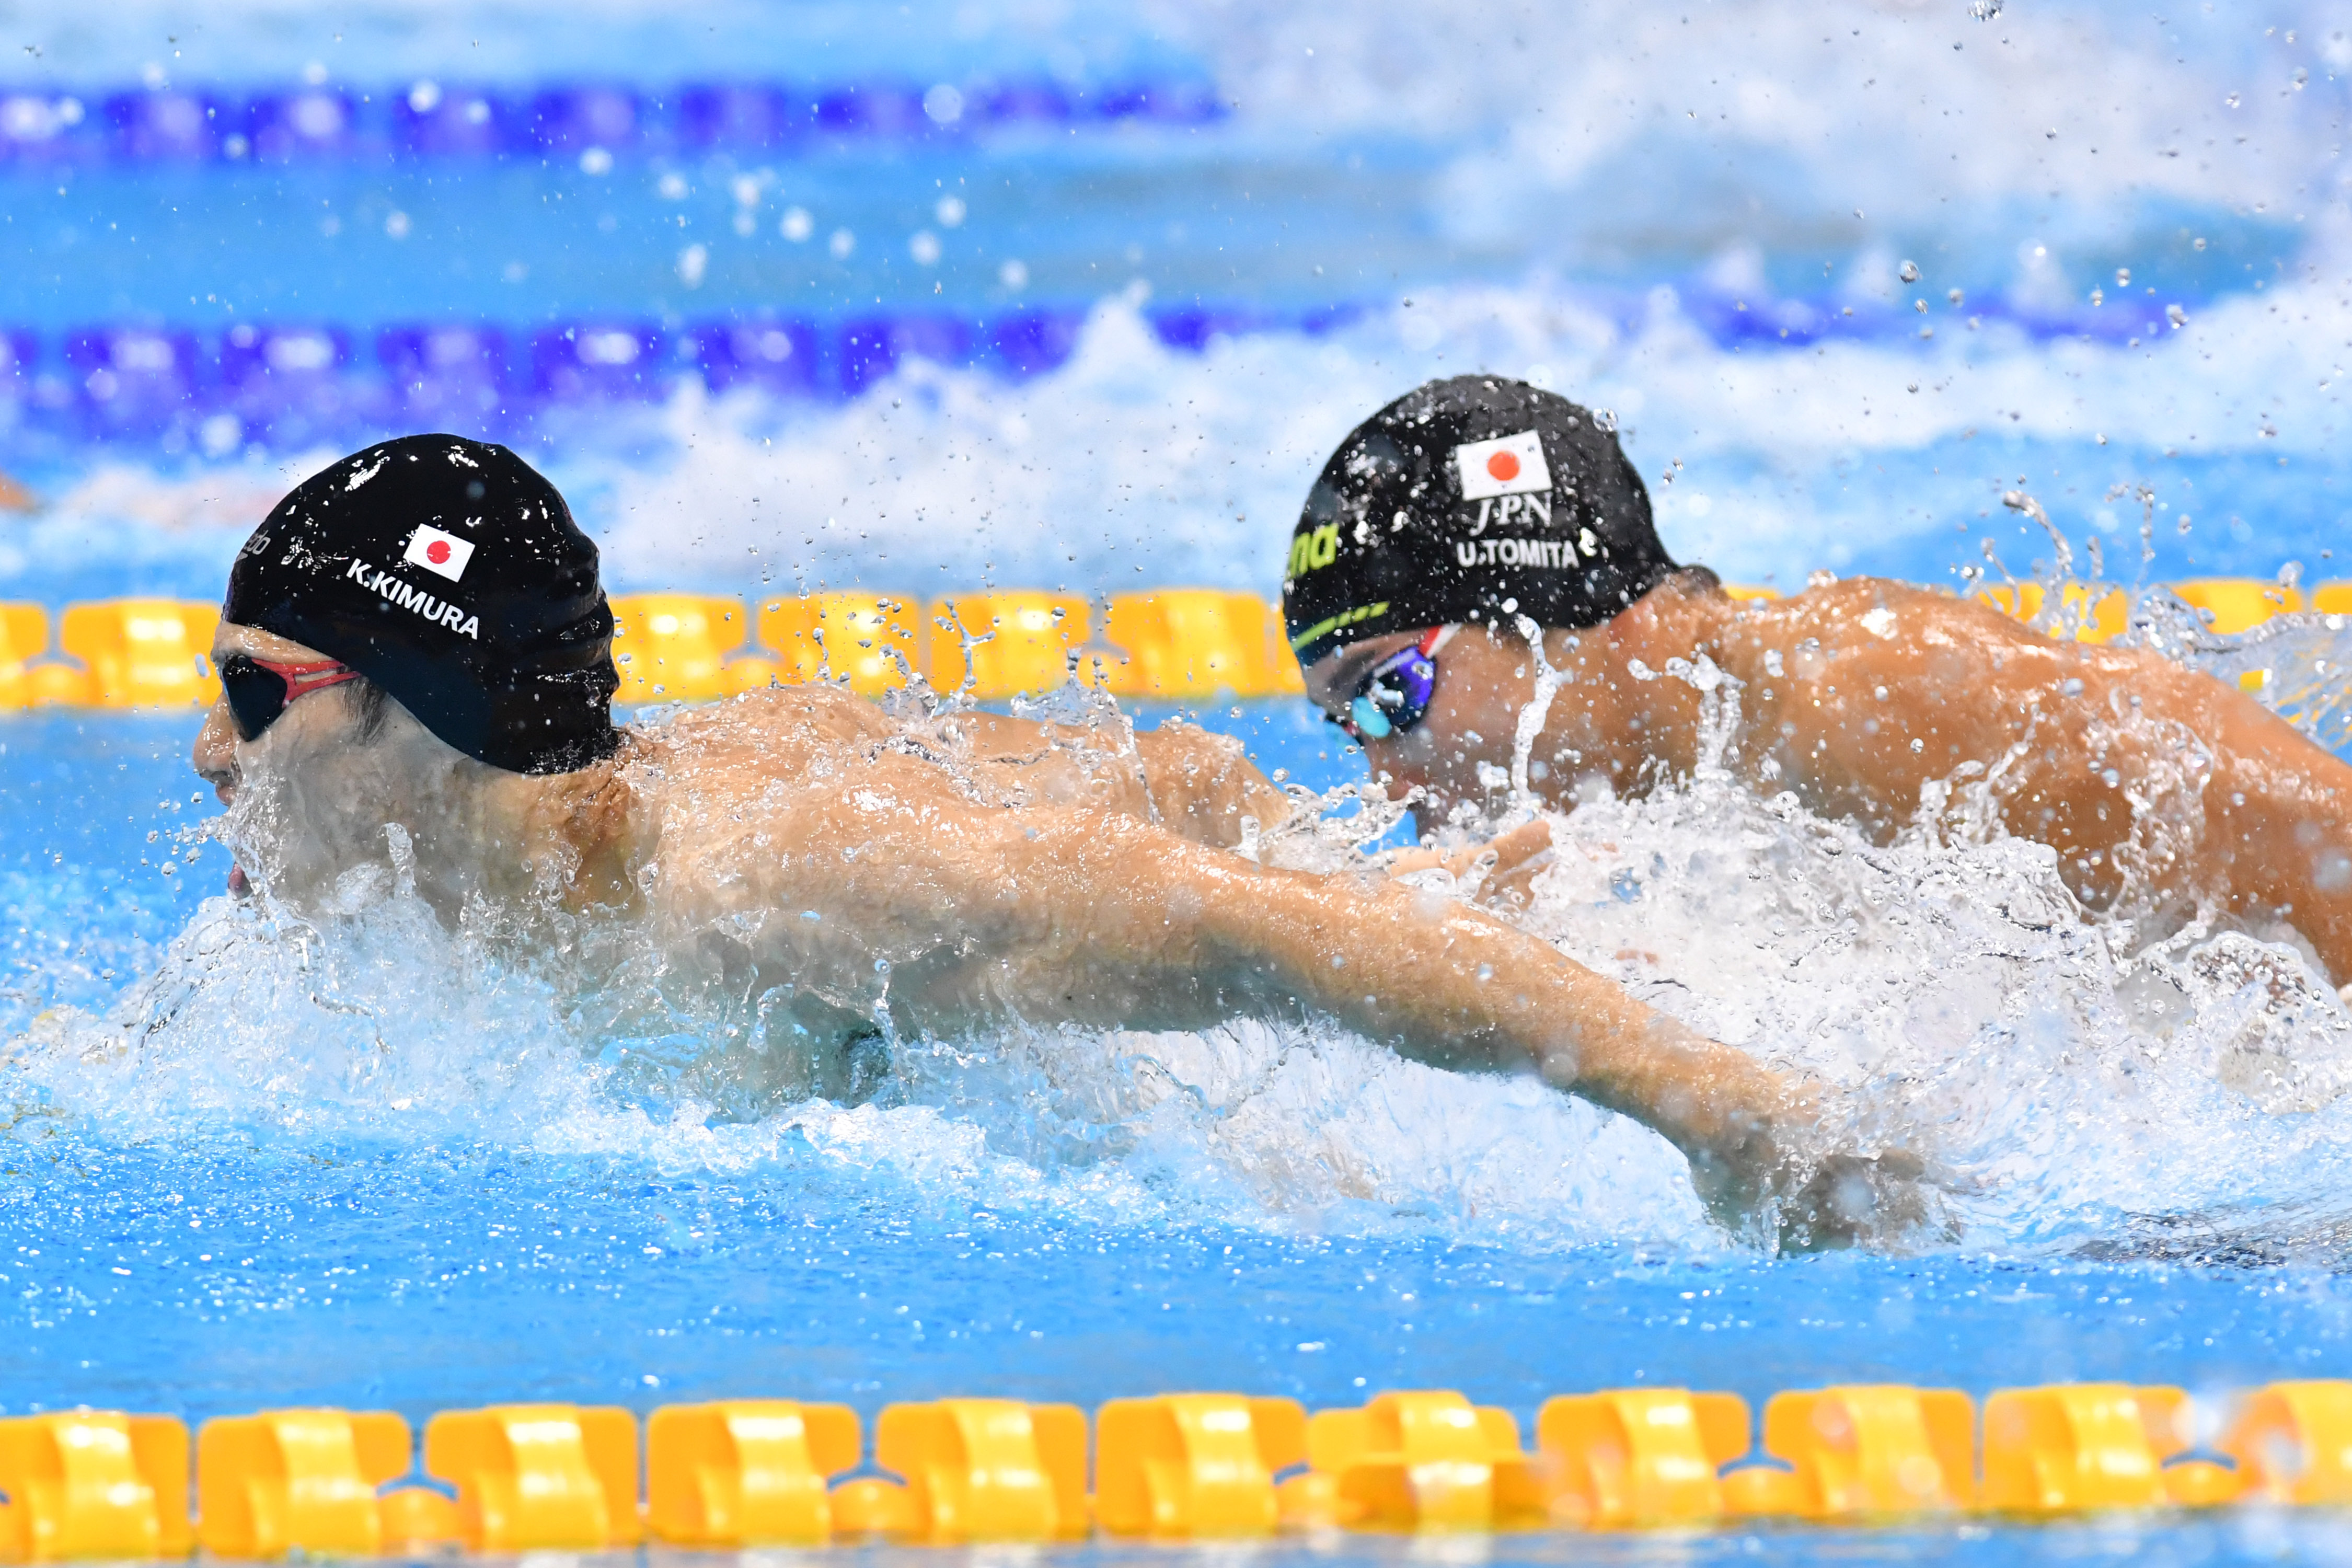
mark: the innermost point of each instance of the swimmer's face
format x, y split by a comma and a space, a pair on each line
1484, 679
308, 797
220, 756
1469, 718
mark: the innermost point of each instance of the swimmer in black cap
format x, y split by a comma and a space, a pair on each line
416, 669
1473, 513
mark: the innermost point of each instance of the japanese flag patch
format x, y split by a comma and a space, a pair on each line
439, 552
1506, 466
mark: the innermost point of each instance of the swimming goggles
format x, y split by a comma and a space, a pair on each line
259, 690
1394, 694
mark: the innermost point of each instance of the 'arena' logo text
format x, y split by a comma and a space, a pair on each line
1525, 551
1317, 549
416, 601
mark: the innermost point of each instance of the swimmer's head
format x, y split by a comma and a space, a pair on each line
1473, 500
449, 575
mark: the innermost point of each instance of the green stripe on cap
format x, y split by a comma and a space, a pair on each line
1344, 618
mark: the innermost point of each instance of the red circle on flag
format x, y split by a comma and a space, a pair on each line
437, 551
1504, 465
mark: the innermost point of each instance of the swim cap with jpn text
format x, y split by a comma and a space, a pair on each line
1473, 499
450, 572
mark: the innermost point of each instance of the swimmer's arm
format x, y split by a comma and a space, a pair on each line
2277, 834
2270, 827
1094, 917
1436, 981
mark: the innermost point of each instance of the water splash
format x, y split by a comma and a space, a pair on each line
2066, 1071
2059, 1068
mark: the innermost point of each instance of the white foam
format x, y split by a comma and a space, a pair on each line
379, 1024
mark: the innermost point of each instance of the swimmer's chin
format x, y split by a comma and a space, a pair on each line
240, 886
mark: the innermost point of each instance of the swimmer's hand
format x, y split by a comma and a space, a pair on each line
1853, 1199
1818, 1202
1499, 873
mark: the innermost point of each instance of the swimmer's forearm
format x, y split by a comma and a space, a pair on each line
1444, 983
1092, 914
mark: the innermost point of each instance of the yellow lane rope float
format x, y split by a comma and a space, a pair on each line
1168, 644
735, 1474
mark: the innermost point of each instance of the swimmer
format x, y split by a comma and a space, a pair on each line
415, 658
1475, 513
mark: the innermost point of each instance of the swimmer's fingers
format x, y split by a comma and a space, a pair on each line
1405, 861
1766, 1168
1500, 870
1850, 1199
1519, 856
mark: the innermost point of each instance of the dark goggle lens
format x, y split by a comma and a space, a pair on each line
1394, 696
256, 696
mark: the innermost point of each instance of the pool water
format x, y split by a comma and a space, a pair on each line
365, 1166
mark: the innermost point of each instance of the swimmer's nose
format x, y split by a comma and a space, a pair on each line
215, 753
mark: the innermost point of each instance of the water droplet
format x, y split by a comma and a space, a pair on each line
943, 105
1909, 272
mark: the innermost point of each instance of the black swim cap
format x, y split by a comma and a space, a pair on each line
1474, 498
450, 572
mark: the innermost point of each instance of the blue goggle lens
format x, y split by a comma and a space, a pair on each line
1394, 696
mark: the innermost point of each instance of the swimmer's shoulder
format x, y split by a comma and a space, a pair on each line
1882, 608
778, 720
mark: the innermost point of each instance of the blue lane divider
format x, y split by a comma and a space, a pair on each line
432, 119
290, 384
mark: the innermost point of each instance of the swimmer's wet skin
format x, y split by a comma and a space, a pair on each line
991, 869
2156, 785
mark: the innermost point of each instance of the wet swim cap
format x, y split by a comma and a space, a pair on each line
450, 572
1474, 498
